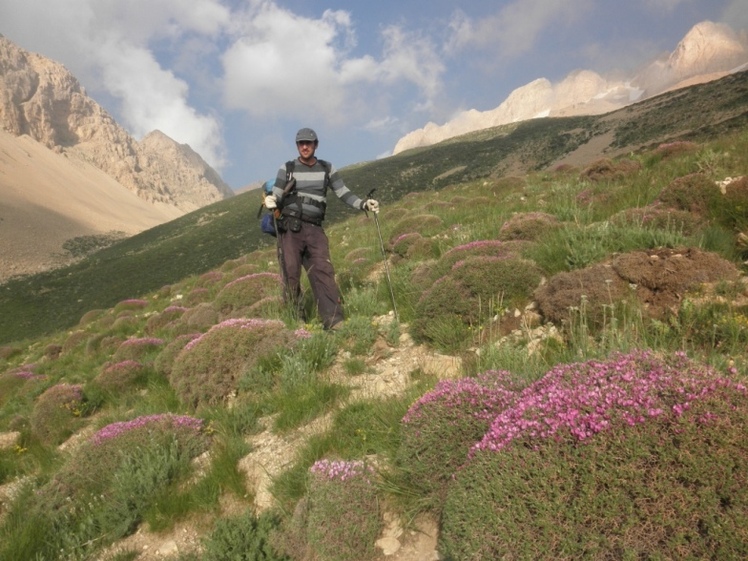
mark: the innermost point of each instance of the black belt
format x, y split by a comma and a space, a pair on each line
302, 217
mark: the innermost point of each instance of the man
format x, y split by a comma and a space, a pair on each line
300, 194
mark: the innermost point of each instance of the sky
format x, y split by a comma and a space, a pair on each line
235, 79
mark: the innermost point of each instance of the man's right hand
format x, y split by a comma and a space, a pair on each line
271, 202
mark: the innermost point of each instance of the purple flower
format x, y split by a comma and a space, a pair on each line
583, 399
115, 430
341, 470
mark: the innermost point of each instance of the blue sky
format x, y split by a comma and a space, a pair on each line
235, 79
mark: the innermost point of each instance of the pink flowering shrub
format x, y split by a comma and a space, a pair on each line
57, 413
112, 479
342, 511
137, 348
210, 366
134, 304
441, 426
247, 290
92, 468
120, 377
637, 456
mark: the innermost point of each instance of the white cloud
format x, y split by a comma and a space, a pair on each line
108, 45
514, 29
285, 64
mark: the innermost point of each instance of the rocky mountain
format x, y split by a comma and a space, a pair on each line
42, 99
71, 178
707, 52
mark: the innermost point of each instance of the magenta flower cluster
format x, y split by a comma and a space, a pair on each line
174, 310
484, 396
115, 430
584, 399
302, 333
236, 323
341, 470
26, 372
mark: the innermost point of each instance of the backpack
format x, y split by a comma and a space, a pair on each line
267, 224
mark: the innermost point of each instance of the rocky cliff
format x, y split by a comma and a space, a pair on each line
707, 52
41, 99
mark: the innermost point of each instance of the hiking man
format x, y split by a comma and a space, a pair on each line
300, 194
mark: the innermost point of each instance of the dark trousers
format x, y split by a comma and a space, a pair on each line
310, 249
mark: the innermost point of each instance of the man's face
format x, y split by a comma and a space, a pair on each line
306, 148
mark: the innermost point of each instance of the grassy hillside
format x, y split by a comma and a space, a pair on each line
569, 366
205, 238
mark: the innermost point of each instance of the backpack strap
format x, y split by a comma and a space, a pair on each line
328, 168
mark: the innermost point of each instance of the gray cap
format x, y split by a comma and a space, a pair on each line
306, 134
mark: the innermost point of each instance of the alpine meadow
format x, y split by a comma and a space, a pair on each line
565, 376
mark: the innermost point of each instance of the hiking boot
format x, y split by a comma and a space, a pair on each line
337, 327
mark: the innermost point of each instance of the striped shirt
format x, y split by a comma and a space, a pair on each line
310, 188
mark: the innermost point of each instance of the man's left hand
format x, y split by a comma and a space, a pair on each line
371, 205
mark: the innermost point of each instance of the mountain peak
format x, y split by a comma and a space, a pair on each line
707, 52
42, 99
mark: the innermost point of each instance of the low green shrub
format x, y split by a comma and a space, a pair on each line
103, 491
131, 304
424, 224
693, 193
57, 413
527, 226
243, 538
165, 359
637, 456
474, 291
340, 519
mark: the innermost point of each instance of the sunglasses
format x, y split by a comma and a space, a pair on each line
305, 142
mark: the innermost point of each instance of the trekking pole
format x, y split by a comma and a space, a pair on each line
281, 261
384, 258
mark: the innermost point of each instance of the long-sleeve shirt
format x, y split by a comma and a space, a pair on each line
310, 190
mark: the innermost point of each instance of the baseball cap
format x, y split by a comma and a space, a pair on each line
306, 134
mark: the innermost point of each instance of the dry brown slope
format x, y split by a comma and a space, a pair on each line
47, 198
